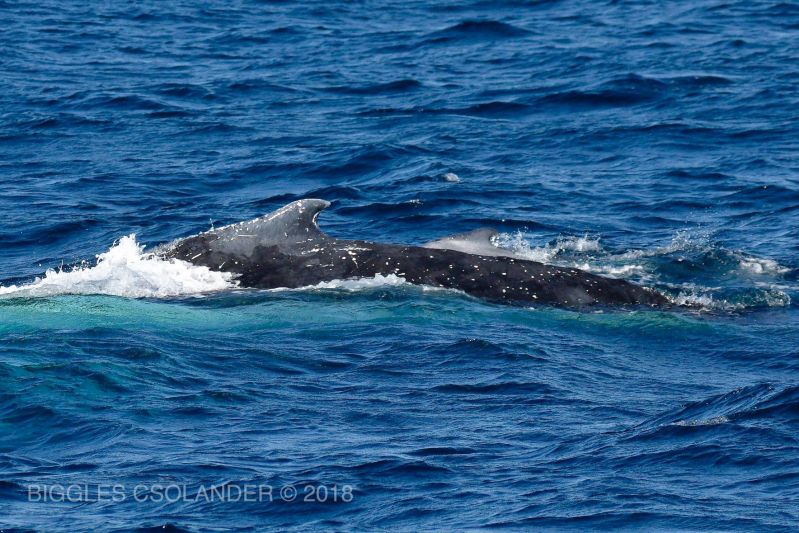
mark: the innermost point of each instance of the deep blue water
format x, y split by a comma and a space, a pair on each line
653, 141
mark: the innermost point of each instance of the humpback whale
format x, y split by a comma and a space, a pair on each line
287, 249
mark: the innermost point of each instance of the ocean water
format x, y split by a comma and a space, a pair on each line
657, 142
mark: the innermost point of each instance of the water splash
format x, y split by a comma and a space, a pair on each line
126, 270
692, 269
518, 243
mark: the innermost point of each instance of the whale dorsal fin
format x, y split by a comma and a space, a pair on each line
291, 224
478, 242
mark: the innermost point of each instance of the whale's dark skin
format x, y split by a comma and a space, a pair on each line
287, 249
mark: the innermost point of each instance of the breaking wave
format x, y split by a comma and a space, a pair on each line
758, 402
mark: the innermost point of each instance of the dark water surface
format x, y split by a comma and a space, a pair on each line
655, 142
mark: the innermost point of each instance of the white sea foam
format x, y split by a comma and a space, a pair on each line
682, 241
585, 253
703, 300
757, 265
716, 420
518, 244
614, 271
709, 298
126, 270
357, 284
360, 284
